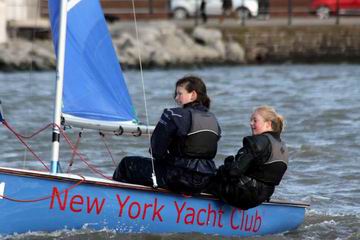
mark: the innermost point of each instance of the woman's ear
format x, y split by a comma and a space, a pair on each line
193, 96
269, 125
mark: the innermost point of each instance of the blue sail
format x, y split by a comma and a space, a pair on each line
94, 86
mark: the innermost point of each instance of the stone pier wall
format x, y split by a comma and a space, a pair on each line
298, 44
165, 45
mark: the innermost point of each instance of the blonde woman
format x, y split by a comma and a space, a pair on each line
249, 178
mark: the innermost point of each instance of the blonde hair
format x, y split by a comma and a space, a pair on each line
269, 114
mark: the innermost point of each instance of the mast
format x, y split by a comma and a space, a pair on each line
59, 87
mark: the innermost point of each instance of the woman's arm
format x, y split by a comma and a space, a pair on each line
254, 147
165, 130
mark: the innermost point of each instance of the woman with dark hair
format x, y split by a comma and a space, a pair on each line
183, 144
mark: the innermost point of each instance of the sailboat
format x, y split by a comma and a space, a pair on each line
91, 93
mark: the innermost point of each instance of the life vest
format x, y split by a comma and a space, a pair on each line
192, 166
273, 169
201, 141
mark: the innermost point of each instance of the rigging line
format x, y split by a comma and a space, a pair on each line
24, 143
75, 151
35, 133
153, 176
30, 75
103, 138
76, 146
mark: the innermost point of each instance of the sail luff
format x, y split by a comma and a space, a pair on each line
59, 87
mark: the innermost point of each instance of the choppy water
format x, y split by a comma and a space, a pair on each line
319, 102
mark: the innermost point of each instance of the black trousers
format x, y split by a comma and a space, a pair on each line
138, 170
241, 192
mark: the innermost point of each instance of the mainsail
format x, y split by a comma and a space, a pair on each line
95, 93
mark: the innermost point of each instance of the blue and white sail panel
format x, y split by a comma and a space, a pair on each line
94, 86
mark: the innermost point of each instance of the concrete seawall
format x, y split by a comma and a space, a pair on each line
166, 45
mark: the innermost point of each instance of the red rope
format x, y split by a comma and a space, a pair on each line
107, 148
73, 153
36, 133
43, 198
73, 148
20, 137
79, 155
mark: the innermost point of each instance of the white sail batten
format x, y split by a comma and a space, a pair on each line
117, 127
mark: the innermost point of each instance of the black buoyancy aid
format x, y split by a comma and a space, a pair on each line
273, 169
201, 141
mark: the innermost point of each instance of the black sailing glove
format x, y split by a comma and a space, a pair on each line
229, 160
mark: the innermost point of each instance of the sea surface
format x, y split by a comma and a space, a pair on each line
321, 104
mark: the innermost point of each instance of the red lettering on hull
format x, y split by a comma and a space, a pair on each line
202, 217
76, 202
131, 208
241, 220
135, 209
